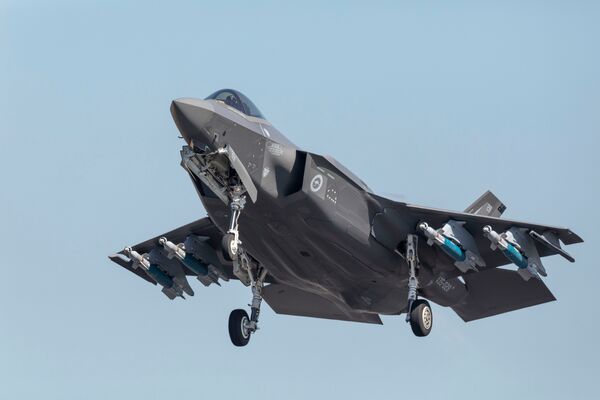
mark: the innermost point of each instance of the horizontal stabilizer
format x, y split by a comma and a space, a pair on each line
285, 299
497, 291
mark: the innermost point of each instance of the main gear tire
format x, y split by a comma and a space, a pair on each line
421, 318
238, 328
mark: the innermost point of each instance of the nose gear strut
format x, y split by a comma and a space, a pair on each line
231, 240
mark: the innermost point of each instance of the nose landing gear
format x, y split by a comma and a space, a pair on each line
231, 240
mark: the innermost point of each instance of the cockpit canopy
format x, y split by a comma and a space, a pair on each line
237, 100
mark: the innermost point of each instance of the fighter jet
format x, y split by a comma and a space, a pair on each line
312, 239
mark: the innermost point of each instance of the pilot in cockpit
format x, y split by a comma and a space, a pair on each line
237, 100
233, 102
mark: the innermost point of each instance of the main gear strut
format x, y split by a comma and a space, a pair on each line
240, 325
418, 311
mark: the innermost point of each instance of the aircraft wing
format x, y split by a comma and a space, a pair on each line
490, 290
474, 225
201, 237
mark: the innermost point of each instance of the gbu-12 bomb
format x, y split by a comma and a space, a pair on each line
151, 269
202, 250
510, 250
454, 240
137, 258
207, 274
444, 243
187, 259
518, 248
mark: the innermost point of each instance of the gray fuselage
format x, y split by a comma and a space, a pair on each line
312, 224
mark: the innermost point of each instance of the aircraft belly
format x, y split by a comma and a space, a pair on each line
302, 249
313, 232
319, 266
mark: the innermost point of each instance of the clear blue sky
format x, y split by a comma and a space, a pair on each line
429, 102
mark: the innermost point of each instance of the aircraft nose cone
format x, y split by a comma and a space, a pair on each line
192, 117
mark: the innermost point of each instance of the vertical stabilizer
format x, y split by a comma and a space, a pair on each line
488, 205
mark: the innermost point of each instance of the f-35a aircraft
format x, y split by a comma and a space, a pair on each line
311, 239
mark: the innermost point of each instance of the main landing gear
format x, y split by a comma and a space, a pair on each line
418, 311
240, 325
248, 270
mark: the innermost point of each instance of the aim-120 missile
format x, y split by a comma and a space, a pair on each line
195, 265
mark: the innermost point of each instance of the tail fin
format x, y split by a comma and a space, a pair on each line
488, 205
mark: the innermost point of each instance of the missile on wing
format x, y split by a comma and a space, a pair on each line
454, 240
519, 249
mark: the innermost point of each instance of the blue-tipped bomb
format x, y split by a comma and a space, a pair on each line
509, 250
154, 272
456, 242
515, 256
160, 277
206, 273
447, 245
195, 265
